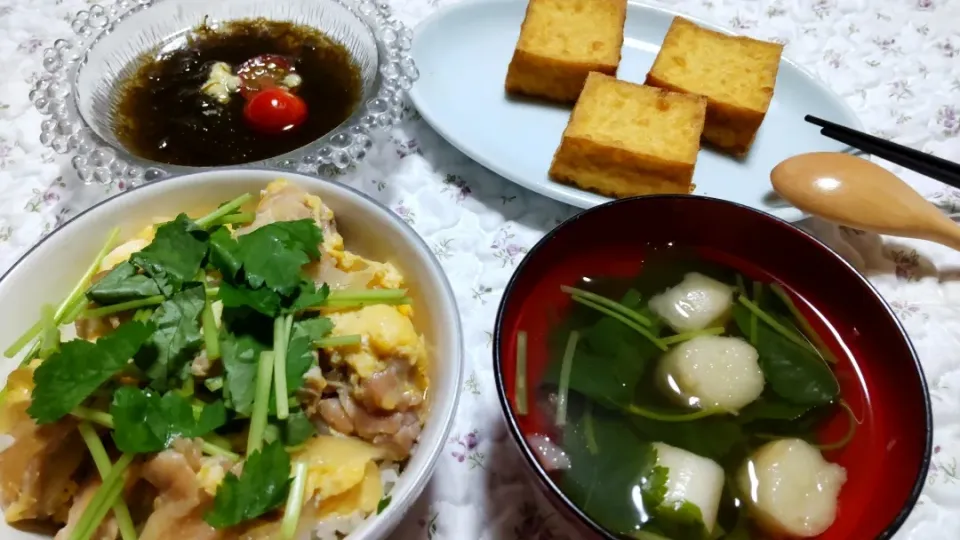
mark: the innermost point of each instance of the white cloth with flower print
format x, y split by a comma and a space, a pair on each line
897, 62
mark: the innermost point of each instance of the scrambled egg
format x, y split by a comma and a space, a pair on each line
386, 333
13, 410
123, 252
337, 464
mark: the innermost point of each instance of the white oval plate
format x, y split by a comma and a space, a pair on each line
463, 51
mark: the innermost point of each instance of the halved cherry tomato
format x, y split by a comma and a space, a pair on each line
262, 72
274, 110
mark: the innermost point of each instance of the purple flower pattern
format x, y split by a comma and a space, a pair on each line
505, 249
465, 449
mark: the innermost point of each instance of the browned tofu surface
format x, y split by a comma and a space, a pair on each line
736, 74
561, 41
625, 139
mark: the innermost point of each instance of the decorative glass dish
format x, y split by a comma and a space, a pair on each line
79, 93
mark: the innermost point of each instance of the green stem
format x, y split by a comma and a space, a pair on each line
805, 325
667, 417
224, 210
520, 396
375, 295
345, 303
338, 341
566, 366
90, 415
632, 324
211, 335
607, 303
135, 304
687, 336
99, 454
261, 400
105, 496
852, 424
75, 311
589, 434
772, 323
187, 389
280, 341
50, 336
106, 420
757, 293
741, 286
291, 514
240, 217
75, 295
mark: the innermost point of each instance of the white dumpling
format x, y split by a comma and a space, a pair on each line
712, 372
694, 303
693, 479
790, 489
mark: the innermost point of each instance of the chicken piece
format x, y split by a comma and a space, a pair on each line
108, 529
178, 510
332, 412
200, 367
283, 201
37, 469
92, 329
392, 389
394, 432
386, 333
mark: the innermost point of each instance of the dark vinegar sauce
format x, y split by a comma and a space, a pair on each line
163, 114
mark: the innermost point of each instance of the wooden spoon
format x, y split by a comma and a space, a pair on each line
857, 193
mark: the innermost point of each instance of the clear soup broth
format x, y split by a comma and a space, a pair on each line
686, 395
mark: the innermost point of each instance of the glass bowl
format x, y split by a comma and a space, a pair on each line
77, 94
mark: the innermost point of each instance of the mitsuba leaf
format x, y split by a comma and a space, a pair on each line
261, 487
771, 408
70, 376
308, 295
145, 422
261, 299
682, 521
714, 437
224, 253
610, 360
795, 373
177, 338
240, 354
301, 354
297, 429
122, 284
273, 255
603, 484
175, 255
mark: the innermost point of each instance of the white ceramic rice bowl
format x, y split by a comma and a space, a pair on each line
47, 273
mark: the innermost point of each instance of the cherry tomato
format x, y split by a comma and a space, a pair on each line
262, 72
274, 110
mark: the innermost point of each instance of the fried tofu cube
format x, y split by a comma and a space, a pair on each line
736, 74
625, 139
561, 41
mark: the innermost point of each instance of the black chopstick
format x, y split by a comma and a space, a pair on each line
937, 168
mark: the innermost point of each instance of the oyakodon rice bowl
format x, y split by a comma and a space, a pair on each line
245, 357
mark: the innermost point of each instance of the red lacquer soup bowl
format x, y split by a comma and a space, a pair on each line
878, 371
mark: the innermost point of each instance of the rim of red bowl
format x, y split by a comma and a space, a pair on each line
534, 463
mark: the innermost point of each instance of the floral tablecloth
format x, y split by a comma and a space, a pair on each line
897, 62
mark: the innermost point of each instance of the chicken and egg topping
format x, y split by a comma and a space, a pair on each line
237, 376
